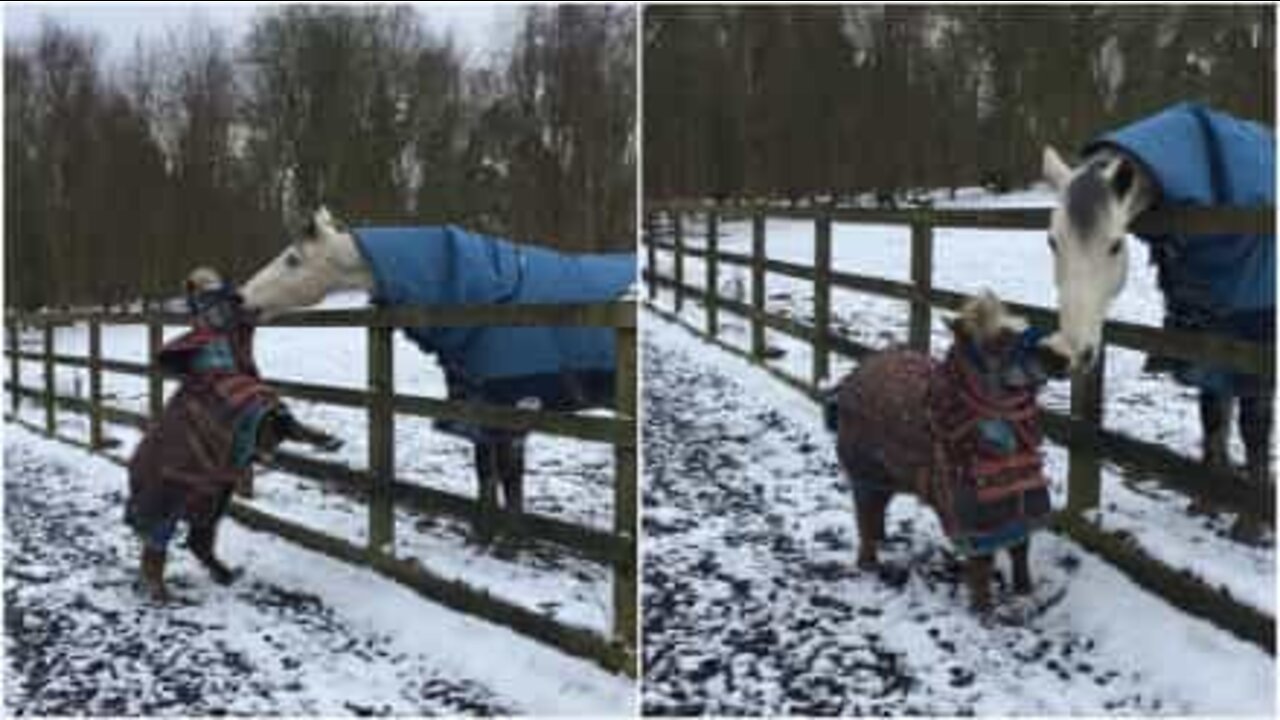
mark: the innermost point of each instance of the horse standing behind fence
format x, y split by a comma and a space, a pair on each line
1222, 284
962, 434
552, 368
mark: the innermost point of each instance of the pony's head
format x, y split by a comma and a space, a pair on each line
1087, 234
1002, 343
323, 259
211, 300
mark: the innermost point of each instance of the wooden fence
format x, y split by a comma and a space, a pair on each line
1081, 430
378, 485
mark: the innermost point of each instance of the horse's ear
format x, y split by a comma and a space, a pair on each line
1056, 171
321, 222
1121, 179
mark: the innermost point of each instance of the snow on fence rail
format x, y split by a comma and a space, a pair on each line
616, 549
1080, 430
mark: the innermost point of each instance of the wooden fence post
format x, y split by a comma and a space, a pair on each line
624, 504
677, 226
50, 403
922, 281
15, 366
381, 442
757, 285
712, 295
155, 338
1084, 470
95, 382
651, 245
821, 297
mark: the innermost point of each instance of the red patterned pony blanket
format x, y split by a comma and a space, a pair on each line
970, 449
203, 445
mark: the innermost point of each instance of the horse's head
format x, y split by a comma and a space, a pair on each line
1087, 231
1002, 343
323, 259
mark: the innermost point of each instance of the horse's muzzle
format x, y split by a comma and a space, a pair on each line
1055, 364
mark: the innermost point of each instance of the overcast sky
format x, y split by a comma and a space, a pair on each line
477, 28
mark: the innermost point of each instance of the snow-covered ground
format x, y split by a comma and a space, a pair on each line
568, 479
1017, 265
299, 634
752, 604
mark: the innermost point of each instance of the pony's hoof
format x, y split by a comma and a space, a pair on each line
226, 576
1199, 507
870, 564
1016, 613
329, 443
155, 594
893, 576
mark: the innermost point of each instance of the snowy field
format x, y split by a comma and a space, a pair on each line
752, 603
568, 479
1017, 265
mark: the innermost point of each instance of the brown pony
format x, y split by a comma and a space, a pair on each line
962, 433
221, 420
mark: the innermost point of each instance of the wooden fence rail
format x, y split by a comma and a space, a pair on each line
377, 486
1080, 430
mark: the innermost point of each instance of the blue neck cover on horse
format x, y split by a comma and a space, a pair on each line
445, 265
1201, 157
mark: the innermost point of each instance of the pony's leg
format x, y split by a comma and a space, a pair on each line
978, 578
1256, 421
152, 571
200, 539
871, 505
511, 464
870, 500
244, 484
1215, 421
1021, 570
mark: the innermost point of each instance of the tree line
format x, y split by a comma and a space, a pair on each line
122, 176
793, 101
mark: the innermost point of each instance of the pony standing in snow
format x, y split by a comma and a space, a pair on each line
1221, 284
221, 419
553, 368
963, 434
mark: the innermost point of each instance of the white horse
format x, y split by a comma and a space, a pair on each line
326, 259
1098, 202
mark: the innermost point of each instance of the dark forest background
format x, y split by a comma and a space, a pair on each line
120, 177
792, 101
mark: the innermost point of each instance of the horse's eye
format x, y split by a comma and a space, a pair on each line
1053, 244
1116, 247
292, 260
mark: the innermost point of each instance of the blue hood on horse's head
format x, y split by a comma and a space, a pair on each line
445, 265
1201, 157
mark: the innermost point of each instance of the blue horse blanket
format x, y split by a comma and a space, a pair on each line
1216, 283
446, 265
